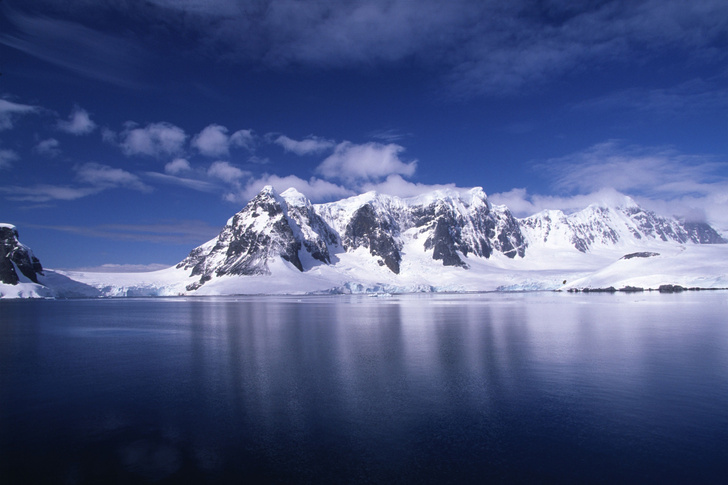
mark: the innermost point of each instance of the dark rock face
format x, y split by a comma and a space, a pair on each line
644, 254
12, 251
453, 227
266, 227
243, 247
480, 231
315, 234
702, 233
671, 289
372, 231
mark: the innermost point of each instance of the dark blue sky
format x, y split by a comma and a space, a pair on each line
130, 131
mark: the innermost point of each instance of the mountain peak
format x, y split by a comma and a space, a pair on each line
295, 198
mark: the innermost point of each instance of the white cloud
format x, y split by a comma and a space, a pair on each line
212, 141
367, 162
177, 166
396, 185
308, 146
226, 172
523, 204
244, 139
79, 122
9, 111
155, 139
314, 189
109, 136
7, 157
48, 147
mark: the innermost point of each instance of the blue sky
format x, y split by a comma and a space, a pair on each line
131, 131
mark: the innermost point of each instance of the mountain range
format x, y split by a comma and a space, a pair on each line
446, 240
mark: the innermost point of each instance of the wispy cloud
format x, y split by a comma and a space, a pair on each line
119, 268
92, 53
188, 182
694, 96
79, 122
485, 47
660, 171
9, 111
48, 147
7, 157
92, 178
659, 178
104, 177
47, 192
181, 232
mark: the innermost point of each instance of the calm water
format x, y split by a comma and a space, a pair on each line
524, 388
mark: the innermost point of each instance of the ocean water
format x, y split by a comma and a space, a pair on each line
491, 388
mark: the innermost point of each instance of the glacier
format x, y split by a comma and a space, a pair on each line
452, 240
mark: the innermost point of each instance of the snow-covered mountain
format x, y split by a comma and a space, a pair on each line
447, 240
603, 226
448, 225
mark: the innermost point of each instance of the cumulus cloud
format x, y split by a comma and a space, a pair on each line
155, 139
396, 185
367, 162
213, 140
79, 123
522, 203
177, 166
226, 172
7, 157
308, 146
314, 188
10, 111
48, 147
243, 139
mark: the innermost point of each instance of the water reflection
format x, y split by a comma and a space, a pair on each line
506, 387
